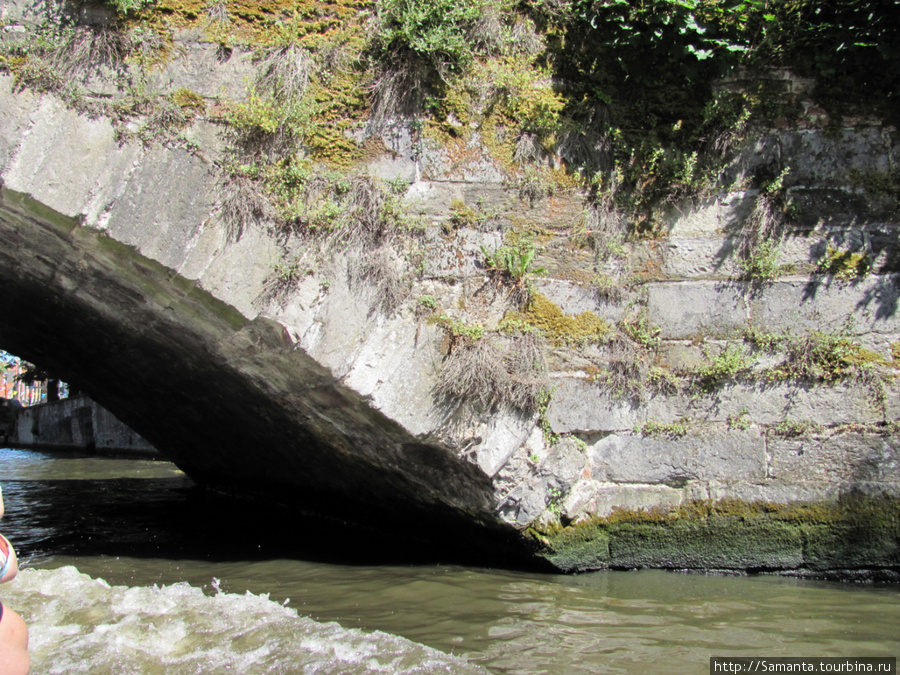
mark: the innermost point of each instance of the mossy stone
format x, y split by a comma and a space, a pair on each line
579, 550
866, 536
719, 543
856, 533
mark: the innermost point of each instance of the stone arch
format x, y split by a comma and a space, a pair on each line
231, 400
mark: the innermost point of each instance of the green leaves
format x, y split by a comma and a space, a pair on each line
512, 261
438, 31
650, 39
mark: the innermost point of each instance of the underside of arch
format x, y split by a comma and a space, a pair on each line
232, 401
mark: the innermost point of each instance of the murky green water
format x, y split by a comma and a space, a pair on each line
171, 582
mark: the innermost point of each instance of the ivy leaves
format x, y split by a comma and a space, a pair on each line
689, 38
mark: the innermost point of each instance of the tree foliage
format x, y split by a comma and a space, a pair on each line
851, 45
646, 76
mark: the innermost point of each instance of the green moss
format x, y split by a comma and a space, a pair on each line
23, 203
795, 429
845, 265
863, 533
522, 91
188, 100
671, 430
462, 215
717, 543
341, 104
543, 314
857, 532
506, 102
818, 356
578, 549
258, 22
664, 380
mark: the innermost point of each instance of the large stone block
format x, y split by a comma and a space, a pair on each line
566, 462
238, 269
14, 118
685, 257
717, 257
573, 298
497, 440
818, 158
589, 498
172, 192
772, 403
719, 543
709, 217
689, 309
459, 255
70, 163
707, 455
685, 310
825, 304
772, 491
343, 322
28, 12
843, 458
207, 70
579, 405
838, 210
392, 368
494, 202
467, 163
524, 504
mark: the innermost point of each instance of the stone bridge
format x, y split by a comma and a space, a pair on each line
117, 273
115, 301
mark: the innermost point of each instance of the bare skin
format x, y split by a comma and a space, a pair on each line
14, 658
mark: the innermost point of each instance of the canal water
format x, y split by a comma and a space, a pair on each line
127, 568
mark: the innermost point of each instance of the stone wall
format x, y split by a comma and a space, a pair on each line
76, 423
341, 391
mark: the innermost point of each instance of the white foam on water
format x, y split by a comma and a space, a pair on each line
78, 624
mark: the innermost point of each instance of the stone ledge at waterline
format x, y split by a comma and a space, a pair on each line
856, 537
678, 425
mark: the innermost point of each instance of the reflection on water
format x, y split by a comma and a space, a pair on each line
136, 524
